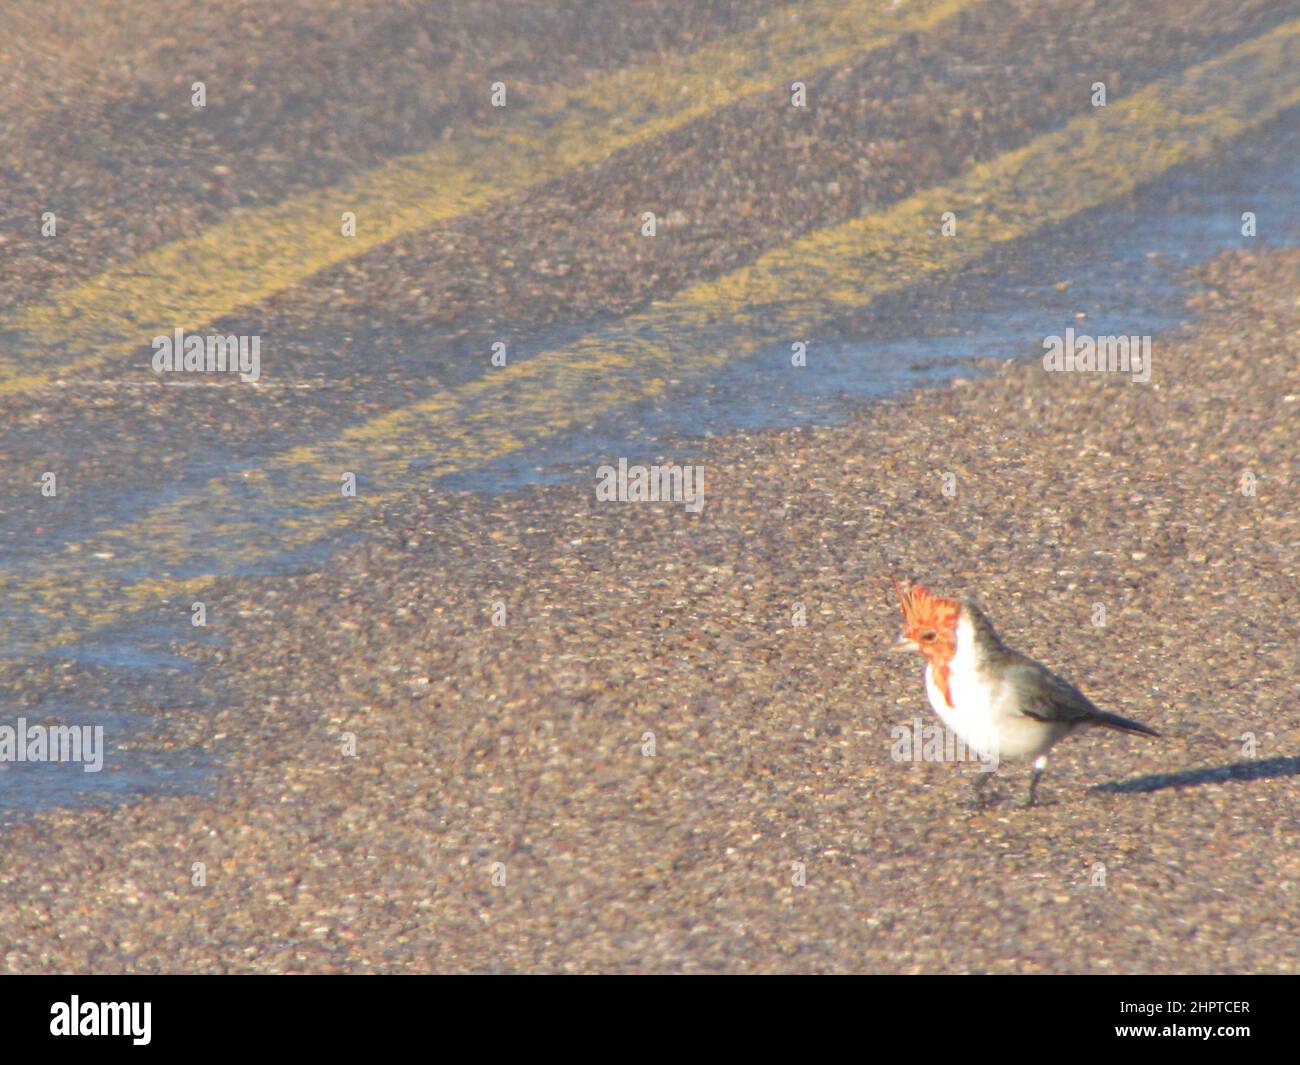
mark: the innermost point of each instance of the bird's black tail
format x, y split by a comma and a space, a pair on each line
1123, 724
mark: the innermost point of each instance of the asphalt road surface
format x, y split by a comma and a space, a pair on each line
384, 682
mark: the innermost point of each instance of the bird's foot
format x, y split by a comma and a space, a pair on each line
1040, 766
981, 795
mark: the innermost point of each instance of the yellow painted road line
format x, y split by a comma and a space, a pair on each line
1093, 159
256, 254
1096, 158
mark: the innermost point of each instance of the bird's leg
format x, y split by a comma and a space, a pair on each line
1040, 766
978, 796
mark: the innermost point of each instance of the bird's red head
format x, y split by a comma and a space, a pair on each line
929, 623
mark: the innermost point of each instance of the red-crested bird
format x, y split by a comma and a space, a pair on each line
1001, 703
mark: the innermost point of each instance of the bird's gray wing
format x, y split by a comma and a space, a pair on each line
1044, 696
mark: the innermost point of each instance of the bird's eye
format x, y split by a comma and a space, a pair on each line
928, 635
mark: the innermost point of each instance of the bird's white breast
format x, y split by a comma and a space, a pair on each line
983, 711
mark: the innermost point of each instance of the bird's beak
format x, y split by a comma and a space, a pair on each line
904, 644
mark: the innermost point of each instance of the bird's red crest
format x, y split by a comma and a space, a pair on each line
922, 609
930, 621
